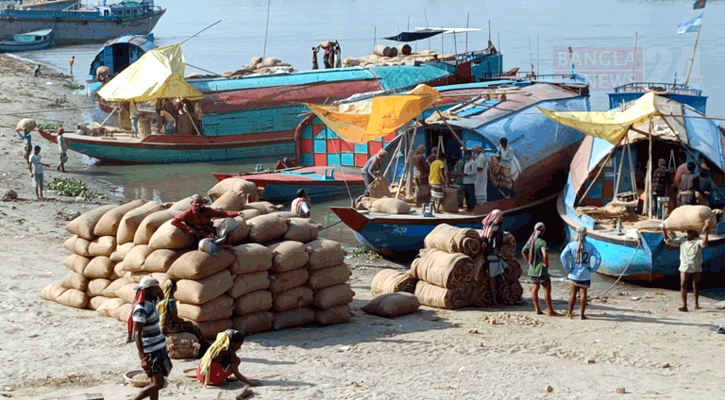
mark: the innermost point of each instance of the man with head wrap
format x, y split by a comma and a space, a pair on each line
491, 241
536, 252
422, 167
371, 169
580, 258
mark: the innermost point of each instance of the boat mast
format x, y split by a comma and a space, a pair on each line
694, 49
468, 17
634, 56
266, 31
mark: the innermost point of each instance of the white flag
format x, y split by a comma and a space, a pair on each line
691, 25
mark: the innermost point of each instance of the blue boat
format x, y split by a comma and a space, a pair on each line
680, 93
635, 251
37, 40
543, 148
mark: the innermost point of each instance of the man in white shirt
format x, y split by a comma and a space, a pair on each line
37, 166
481, 183
509, 164
133, 113
469, 180
62, 149
690, 260
301, 205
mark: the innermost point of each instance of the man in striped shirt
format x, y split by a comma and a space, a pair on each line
150, 342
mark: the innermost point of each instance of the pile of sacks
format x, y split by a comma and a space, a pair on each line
277, 273
375, 60
257, 66
451, 272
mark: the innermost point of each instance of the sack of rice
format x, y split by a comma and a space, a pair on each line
334, 296
250, 213
203, 290
288, 255
390, 281
135, 258
69, 243
392, 304
685, 218
238, 235
438, 297
151, 224
210, 329
117, 271
75, 281
197, 264
108, 224
293, 318
131, 221
80, 247
253, 323
160, 260
270, 61
76, 263
508, 247
293, 298
302, 230
442, 269
452, 239
230, 201
266, 228
326, 277
113, 287
121, 251
285, 214
248, 283
183, 204
97, 286
390, 206
122, 313
259, 300
232, 184
182, 345
169, 237
26, 125
99, 267
84, 225
73, 298
103, 246
220, 308
325, 253
287, 280
108, 306
52, 291
127, 293
95, 302
264, 207
334, 315
251, 258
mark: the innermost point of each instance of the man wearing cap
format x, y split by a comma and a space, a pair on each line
150, 342
661, 180
197, 221
481, 183
62, 148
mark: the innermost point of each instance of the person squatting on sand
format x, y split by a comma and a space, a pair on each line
580, 258
690, 260
143, 327
221, 361
536, 252
169, 320
197, 221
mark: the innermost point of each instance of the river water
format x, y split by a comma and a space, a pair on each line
527, 32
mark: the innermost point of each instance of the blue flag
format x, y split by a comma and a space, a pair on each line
691, 25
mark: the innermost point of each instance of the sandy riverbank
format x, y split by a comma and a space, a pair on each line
636, 340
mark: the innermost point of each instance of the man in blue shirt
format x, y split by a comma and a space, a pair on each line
580, 259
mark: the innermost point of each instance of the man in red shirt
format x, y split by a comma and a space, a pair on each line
197, 221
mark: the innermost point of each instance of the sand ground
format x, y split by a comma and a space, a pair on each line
635, 339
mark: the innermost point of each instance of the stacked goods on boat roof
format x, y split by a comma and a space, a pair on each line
257, 66
393, 56
452, 272
277, 273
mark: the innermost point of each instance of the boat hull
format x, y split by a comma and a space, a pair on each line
12, 47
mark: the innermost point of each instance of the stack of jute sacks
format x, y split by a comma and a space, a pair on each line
451, 272
275, 274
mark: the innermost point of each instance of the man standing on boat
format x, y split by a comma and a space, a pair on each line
133, 113
481, 175
509, 165
422, 168
690, 260
371, 169
437, 181
469, 180
660, 182
689, 184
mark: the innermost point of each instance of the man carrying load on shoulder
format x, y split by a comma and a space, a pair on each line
197, 221
690, 260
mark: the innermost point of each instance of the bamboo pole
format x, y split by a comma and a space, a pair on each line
694, 49
407, 164
634, 55
192, 122
450, 128
648, 186
619, 172
611, 153
110, 115
395, 153
409, 161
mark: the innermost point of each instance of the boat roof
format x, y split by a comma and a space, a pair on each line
144, 42
42, 32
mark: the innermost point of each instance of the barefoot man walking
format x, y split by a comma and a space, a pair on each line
580, 258
690, 261
536, 252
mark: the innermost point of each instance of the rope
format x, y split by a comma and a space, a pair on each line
639, 246
331, 225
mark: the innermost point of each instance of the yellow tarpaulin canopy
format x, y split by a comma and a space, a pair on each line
364, 121
157, 74
607, 125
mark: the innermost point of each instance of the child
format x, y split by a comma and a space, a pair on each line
537, 254
37, 172
221, 361
577, 261
690, 261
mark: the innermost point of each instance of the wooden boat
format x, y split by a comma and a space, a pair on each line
543, 148
321, 184
600, 175
37, 40
117, 54
680, 93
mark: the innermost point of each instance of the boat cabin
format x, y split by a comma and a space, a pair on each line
118, 54
33, 37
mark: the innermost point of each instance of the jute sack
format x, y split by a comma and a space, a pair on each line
204, 290
253, 323
251, 258
326, 277
438, 297
390, 206
250, 213
52, 291
132, 220
288, 255
99, 267
103, 246
122, 312
69, 243
169, 237
230, 201
442, 269
95, 302
325, 253
135, 258
117, 271
80, 247
97, 286
113, 287
75, 281
210, 329
220, 308
108, 306
135, 277
334, 296
232, 184
108, 224
285, 214
259, 300
266, 228
240, 234
198, 264
84, 225
182, 205
685, 218
160, 260
182, 345
73, 298
127, 293
26, 125
151, 224
302, 230
248, 283
392, 304
287, 280
452, 239
390, 281
292, 318
334, 315
264, 207
293, 298
71, 262
121, 251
